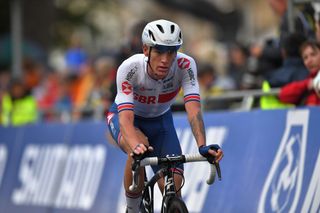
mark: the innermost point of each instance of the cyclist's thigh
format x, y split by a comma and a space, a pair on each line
113, 126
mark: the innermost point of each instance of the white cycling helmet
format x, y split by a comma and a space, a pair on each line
163, 35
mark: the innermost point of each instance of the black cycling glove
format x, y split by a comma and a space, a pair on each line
204, 151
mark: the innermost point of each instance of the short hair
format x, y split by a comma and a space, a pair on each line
310, 43
292, 43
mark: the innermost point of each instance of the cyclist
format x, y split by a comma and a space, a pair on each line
147, 84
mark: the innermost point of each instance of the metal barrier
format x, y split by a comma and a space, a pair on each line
242, 100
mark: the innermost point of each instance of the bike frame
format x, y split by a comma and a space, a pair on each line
148, 192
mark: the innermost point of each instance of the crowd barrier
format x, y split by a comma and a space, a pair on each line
271, 164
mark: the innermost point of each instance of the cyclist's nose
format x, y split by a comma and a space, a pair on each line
165, 57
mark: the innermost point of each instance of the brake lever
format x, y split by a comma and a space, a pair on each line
135, 174
217, 165
216, 147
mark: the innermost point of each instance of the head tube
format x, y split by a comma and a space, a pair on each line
163, 48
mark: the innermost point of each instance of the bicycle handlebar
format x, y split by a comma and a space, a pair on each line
153, 161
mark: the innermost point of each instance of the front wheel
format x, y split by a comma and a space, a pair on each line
174, 205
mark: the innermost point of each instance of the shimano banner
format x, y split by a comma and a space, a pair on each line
271, 164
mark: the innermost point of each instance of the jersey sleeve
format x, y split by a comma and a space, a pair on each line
125, 84
190, 83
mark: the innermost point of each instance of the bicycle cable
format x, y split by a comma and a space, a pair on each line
183, 180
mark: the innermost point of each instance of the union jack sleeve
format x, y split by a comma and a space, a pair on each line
125, 106
191, 97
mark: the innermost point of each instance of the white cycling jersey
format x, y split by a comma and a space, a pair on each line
137, 91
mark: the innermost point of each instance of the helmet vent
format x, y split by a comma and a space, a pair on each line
160, 28
172, 28
151, 35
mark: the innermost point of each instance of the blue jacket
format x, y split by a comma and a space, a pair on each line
292, 69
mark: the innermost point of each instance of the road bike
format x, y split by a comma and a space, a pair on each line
171, 202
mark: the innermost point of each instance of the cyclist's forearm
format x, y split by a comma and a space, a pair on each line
198, 130
127, 129
196, 122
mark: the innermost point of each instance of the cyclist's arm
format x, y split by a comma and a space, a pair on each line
128, 130
125, 101
193, 109
190, 87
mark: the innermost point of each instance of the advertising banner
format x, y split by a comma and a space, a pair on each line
271, 164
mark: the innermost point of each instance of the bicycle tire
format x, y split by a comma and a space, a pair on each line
175, 205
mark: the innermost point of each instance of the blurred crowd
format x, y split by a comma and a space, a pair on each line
85, 88
82, 90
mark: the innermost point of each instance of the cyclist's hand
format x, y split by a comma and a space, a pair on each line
140, 149
137, 157
212, 152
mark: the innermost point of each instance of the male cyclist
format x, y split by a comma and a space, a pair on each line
147, 84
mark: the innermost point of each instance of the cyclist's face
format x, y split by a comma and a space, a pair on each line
160, 62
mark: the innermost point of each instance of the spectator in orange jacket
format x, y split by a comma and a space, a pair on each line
305, 92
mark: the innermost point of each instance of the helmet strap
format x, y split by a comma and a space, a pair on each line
149, 55
148, 64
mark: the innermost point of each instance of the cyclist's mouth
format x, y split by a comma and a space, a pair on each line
163, 69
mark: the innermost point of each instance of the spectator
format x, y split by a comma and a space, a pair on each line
63, 103
206, 75
304, 92
4, 80
4, 86
211, 84
224, 82
268, 56
19, 107
317, 27
75, 56
32, 73
47, 94
101, 96
293, 68
304, 21
237, 66
83, 88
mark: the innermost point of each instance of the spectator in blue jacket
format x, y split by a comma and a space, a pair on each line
292, 68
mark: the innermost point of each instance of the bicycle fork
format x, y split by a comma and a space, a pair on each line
147, 197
